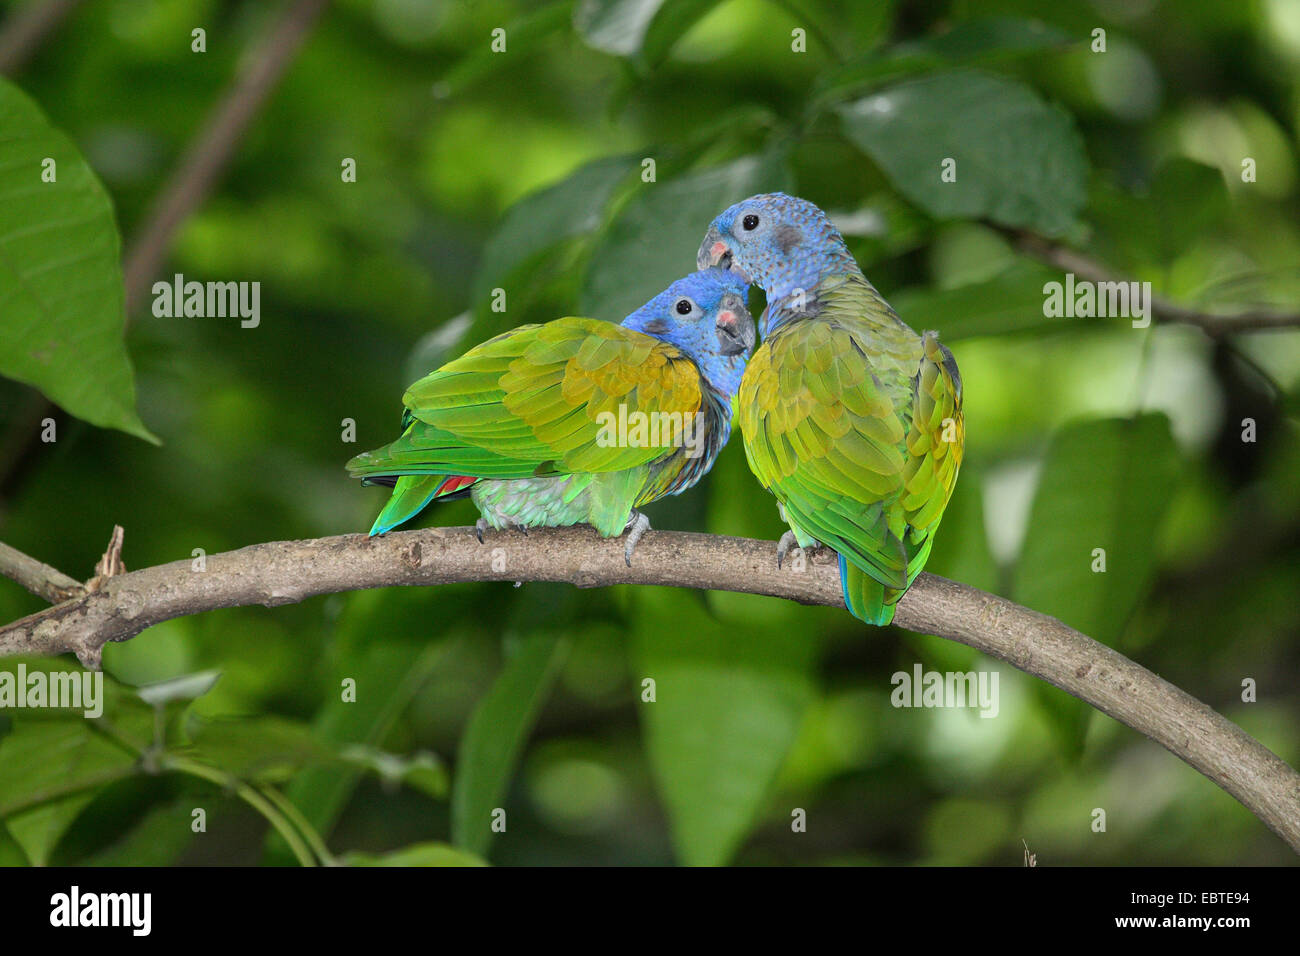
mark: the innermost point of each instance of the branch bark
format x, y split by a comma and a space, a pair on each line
27, 27
212, 149
1211, 323
286, 572
42, 580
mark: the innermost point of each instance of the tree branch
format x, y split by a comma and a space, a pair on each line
27, 27
1214, 324
211, 150
194, 177
41, 579
286, 572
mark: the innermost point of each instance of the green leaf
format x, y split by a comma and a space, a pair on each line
496, 734
1011, 301
387, 675
615, 26
1019, 161
158, 838
422, 771
1105, 484
524, 35
728, 705
669, 26
60, 274
968, 43
417, 854
653, 240
991, 38
51, 770
187, 687
571, 208
11, 854
264, 748
1152, 229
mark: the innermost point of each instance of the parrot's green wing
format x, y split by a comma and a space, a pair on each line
860, 441
541, 400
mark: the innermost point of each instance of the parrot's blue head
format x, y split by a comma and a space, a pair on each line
779, 242
705, 316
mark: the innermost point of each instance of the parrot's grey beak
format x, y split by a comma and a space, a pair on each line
715, 254
736, 333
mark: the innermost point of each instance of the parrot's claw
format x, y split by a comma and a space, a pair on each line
637, 525
480, 526
783, 547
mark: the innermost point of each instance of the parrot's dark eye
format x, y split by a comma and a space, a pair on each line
684, 306
749, 223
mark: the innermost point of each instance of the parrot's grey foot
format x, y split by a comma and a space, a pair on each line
784, 546
637, 525
480, 526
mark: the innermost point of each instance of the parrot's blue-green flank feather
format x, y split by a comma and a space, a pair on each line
864, 596
411, 494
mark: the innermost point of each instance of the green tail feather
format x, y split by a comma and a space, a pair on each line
866, 598
410, 496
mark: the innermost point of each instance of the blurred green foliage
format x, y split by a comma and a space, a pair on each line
525, 170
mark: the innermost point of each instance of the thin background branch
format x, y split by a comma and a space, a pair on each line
193, 179
212, 149
27, 27
1214, 324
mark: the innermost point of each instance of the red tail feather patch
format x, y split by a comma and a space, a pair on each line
454, 483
